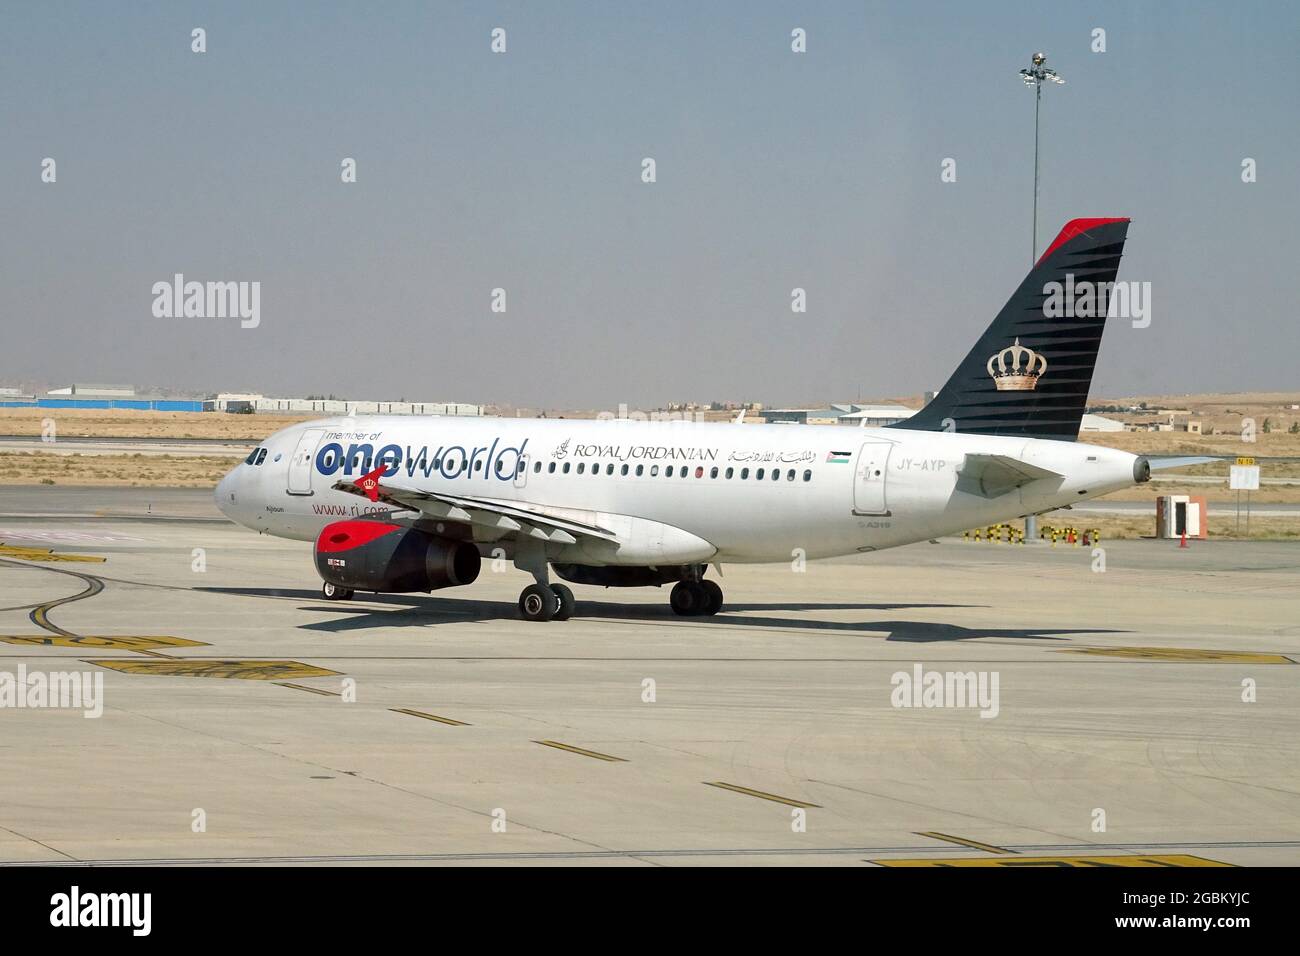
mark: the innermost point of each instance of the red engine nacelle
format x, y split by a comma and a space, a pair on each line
379, 556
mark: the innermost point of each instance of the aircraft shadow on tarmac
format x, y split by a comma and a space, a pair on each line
415, 610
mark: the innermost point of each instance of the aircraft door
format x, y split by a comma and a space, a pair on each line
869, 476
521, 471
299, 475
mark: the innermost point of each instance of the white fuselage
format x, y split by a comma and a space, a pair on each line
672, 492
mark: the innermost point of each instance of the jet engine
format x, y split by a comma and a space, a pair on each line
380, 556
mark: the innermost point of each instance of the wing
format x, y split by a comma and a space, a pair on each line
562, 526
991, 475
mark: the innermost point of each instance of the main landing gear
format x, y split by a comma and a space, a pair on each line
542, 600
690, 598
546, 602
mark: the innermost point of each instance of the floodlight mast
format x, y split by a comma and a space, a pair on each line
1037, 73
1035, 76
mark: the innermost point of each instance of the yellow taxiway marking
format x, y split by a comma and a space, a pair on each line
1188, 654
1178, 859
578, 750
974, 844
310, 690
114, 641
789, 802
419, 713
241, 670
44, 554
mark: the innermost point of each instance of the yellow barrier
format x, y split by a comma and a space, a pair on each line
996, 534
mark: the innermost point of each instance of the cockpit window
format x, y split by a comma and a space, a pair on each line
251, 455
261, 457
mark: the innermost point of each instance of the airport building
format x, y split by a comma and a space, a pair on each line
876, 416
94, 391
840, 414
82, 395
248, 403
1096, 423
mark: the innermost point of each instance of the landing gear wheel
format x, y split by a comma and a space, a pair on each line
712, 597
564, 602
333, 592
687, 598
537, 602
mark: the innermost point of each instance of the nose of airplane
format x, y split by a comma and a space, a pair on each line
224, 495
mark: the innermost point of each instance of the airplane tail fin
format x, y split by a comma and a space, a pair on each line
1030, 371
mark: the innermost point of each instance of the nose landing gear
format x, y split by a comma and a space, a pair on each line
332, 592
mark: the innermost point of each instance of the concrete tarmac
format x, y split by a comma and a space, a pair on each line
1144, 712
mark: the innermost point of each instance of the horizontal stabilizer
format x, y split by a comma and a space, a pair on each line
1186, 461
992, 475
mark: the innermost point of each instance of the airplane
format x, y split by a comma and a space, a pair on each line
414, 504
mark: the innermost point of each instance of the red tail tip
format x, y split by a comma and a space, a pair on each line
1076, 227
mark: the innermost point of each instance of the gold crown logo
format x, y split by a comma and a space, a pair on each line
1016, 368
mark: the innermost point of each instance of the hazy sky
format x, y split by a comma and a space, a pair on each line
522, 171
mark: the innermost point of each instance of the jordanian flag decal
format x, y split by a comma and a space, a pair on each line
838, 457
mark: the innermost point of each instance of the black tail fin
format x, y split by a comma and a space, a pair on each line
1030, 371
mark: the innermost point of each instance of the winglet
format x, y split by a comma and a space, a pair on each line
369, 482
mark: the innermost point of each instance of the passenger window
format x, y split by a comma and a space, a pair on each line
789, 475
776, 474
537, 468
550, 469
609, 469
699, 472
623, 471
566, 467
581, 465
713, 472
654, 471
807, 475
639, 470
668, 472
730, 472
744, 473
520, 468
758, 475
